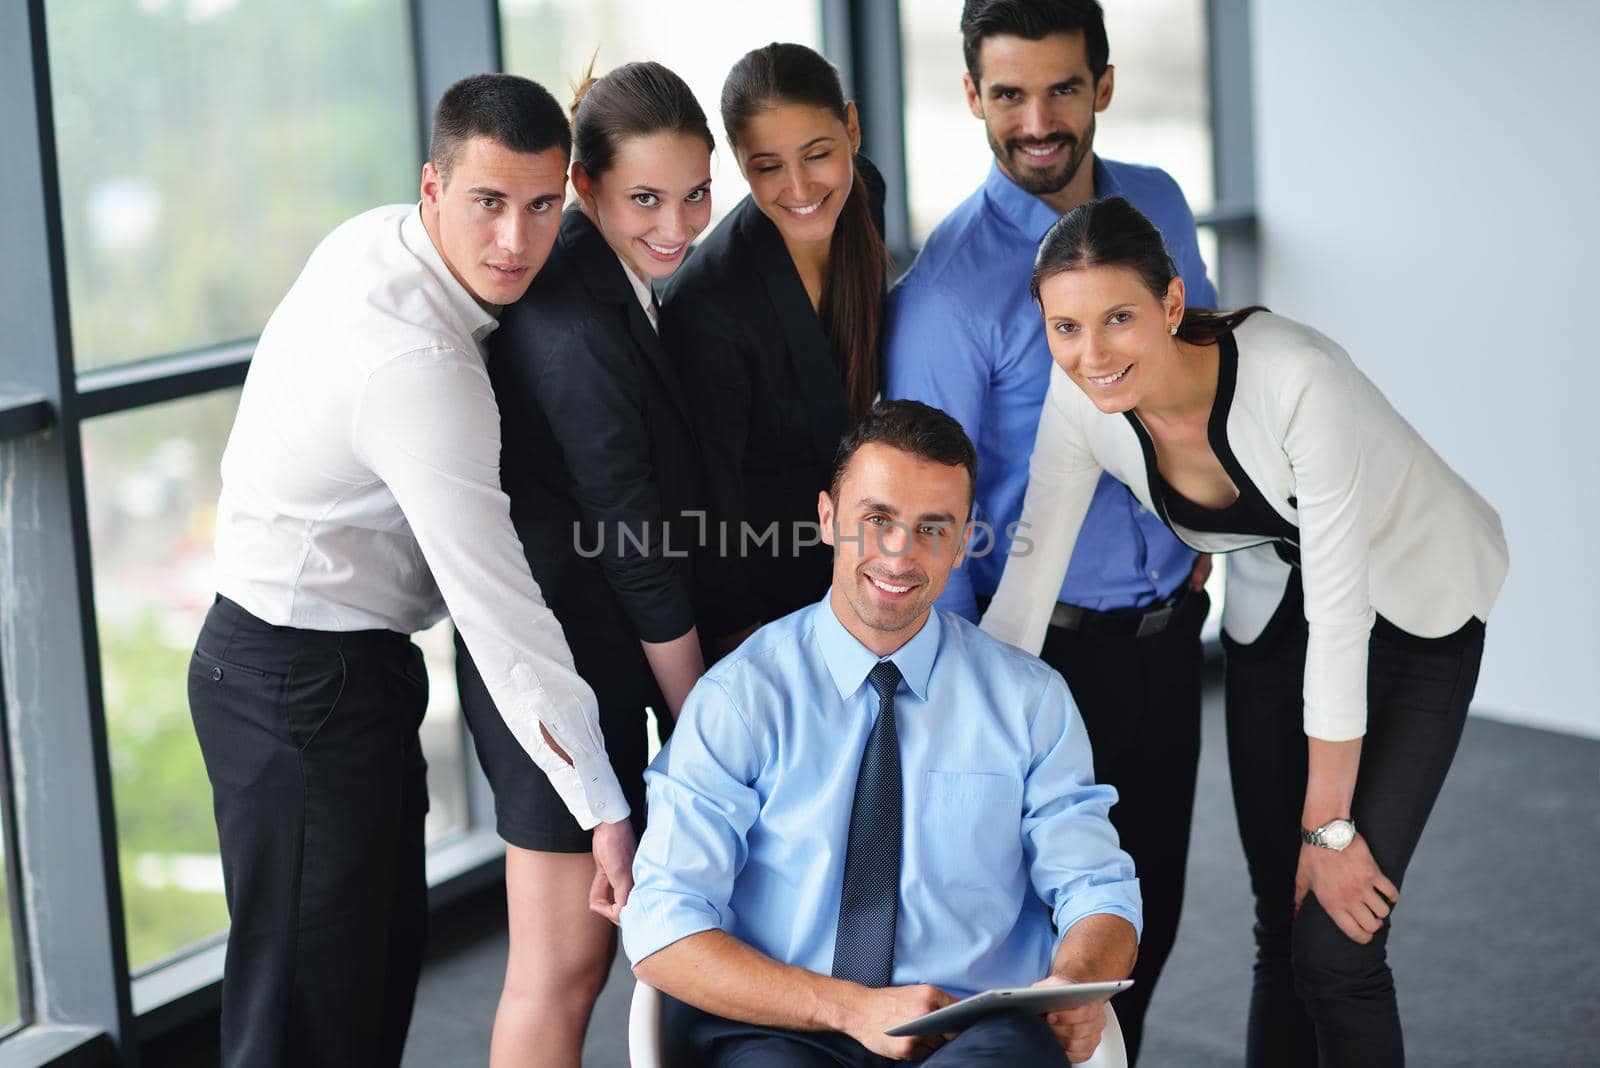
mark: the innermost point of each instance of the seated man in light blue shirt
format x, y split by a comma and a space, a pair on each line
964, 334
872, 808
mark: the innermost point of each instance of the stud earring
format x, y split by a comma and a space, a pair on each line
1174, 330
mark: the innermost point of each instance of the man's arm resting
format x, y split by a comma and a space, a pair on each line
717, 973
1097, 948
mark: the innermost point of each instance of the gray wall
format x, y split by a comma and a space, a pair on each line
1429, 191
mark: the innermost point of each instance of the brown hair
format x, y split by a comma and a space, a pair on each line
1113, 233
511, 111
858, 263
910, 426
635, 100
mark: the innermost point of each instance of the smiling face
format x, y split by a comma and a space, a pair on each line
1038, 100
897, 529
1109, 333
797, 159
653, 200
495, 219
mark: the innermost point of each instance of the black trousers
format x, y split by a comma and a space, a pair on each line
1140, 700
695, 1039
319, 785
1318, 998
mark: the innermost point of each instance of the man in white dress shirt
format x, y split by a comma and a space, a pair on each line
360, 502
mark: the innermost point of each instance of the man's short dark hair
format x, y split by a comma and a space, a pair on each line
513, 112
1034, 20
910, 426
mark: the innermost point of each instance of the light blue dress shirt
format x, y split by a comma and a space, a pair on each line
1005, 828
964, 335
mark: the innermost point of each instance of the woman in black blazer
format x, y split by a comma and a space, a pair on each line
776, 321
599, 462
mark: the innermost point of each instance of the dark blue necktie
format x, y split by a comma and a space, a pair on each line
870, 903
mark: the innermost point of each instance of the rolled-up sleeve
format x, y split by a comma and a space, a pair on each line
702, 805
427, 425
1074, 862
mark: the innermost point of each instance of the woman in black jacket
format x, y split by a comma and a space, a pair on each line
776, 320
599, 462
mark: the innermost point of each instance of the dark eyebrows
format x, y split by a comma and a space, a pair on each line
873, 505
1075, 81
484, 191
803, 148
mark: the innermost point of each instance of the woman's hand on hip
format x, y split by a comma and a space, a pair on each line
1349, 886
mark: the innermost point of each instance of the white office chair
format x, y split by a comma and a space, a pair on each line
644, 1034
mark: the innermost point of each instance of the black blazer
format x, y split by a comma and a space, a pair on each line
769, 410
596, 452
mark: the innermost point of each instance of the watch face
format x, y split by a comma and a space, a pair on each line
1337, 834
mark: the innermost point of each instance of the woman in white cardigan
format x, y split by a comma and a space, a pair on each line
1361, 573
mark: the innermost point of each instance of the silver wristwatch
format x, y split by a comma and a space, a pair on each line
1335, 835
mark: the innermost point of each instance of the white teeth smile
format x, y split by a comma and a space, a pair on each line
1111, 380
664, 250
886, 587
1040, 151
809, 209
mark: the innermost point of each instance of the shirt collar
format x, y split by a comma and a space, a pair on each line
1028, 213
849, 661
474, 318
641, 290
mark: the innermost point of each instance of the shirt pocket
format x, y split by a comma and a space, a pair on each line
973, 827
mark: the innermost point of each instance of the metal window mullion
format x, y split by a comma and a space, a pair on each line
69, 891
1233, 149
163, 379
453, 38
862, 38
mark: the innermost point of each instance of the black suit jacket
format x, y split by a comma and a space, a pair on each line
597, 453
769, 410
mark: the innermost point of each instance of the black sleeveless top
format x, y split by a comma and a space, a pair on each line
1250, 513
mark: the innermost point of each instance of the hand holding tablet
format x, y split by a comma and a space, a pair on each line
1036, 1000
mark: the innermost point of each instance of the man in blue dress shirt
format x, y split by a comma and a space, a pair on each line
964, 335
1009, 871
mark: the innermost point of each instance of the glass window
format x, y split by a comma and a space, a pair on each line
551, 41
152, 483
1159, 111
197, 175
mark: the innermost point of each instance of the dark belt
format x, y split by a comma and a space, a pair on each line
1120, 622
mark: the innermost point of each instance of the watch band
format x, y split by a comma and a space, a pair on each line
1335, 835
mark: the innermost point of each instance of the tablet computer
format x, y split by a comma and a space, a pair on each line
1034, 1000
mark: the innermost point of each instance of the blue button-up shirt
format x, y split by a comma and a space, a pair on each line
1004, 826
965, 336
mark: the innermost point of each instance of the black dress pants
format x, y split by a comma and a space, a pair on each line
1140, 700
319, 785
695, 1039
1318, 998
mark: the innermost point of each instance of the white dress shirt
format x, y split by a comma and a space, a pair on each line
1384, 525
361, 486
642, 290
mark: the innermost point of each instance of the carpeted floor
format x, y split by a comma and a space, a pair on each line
1495, 945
